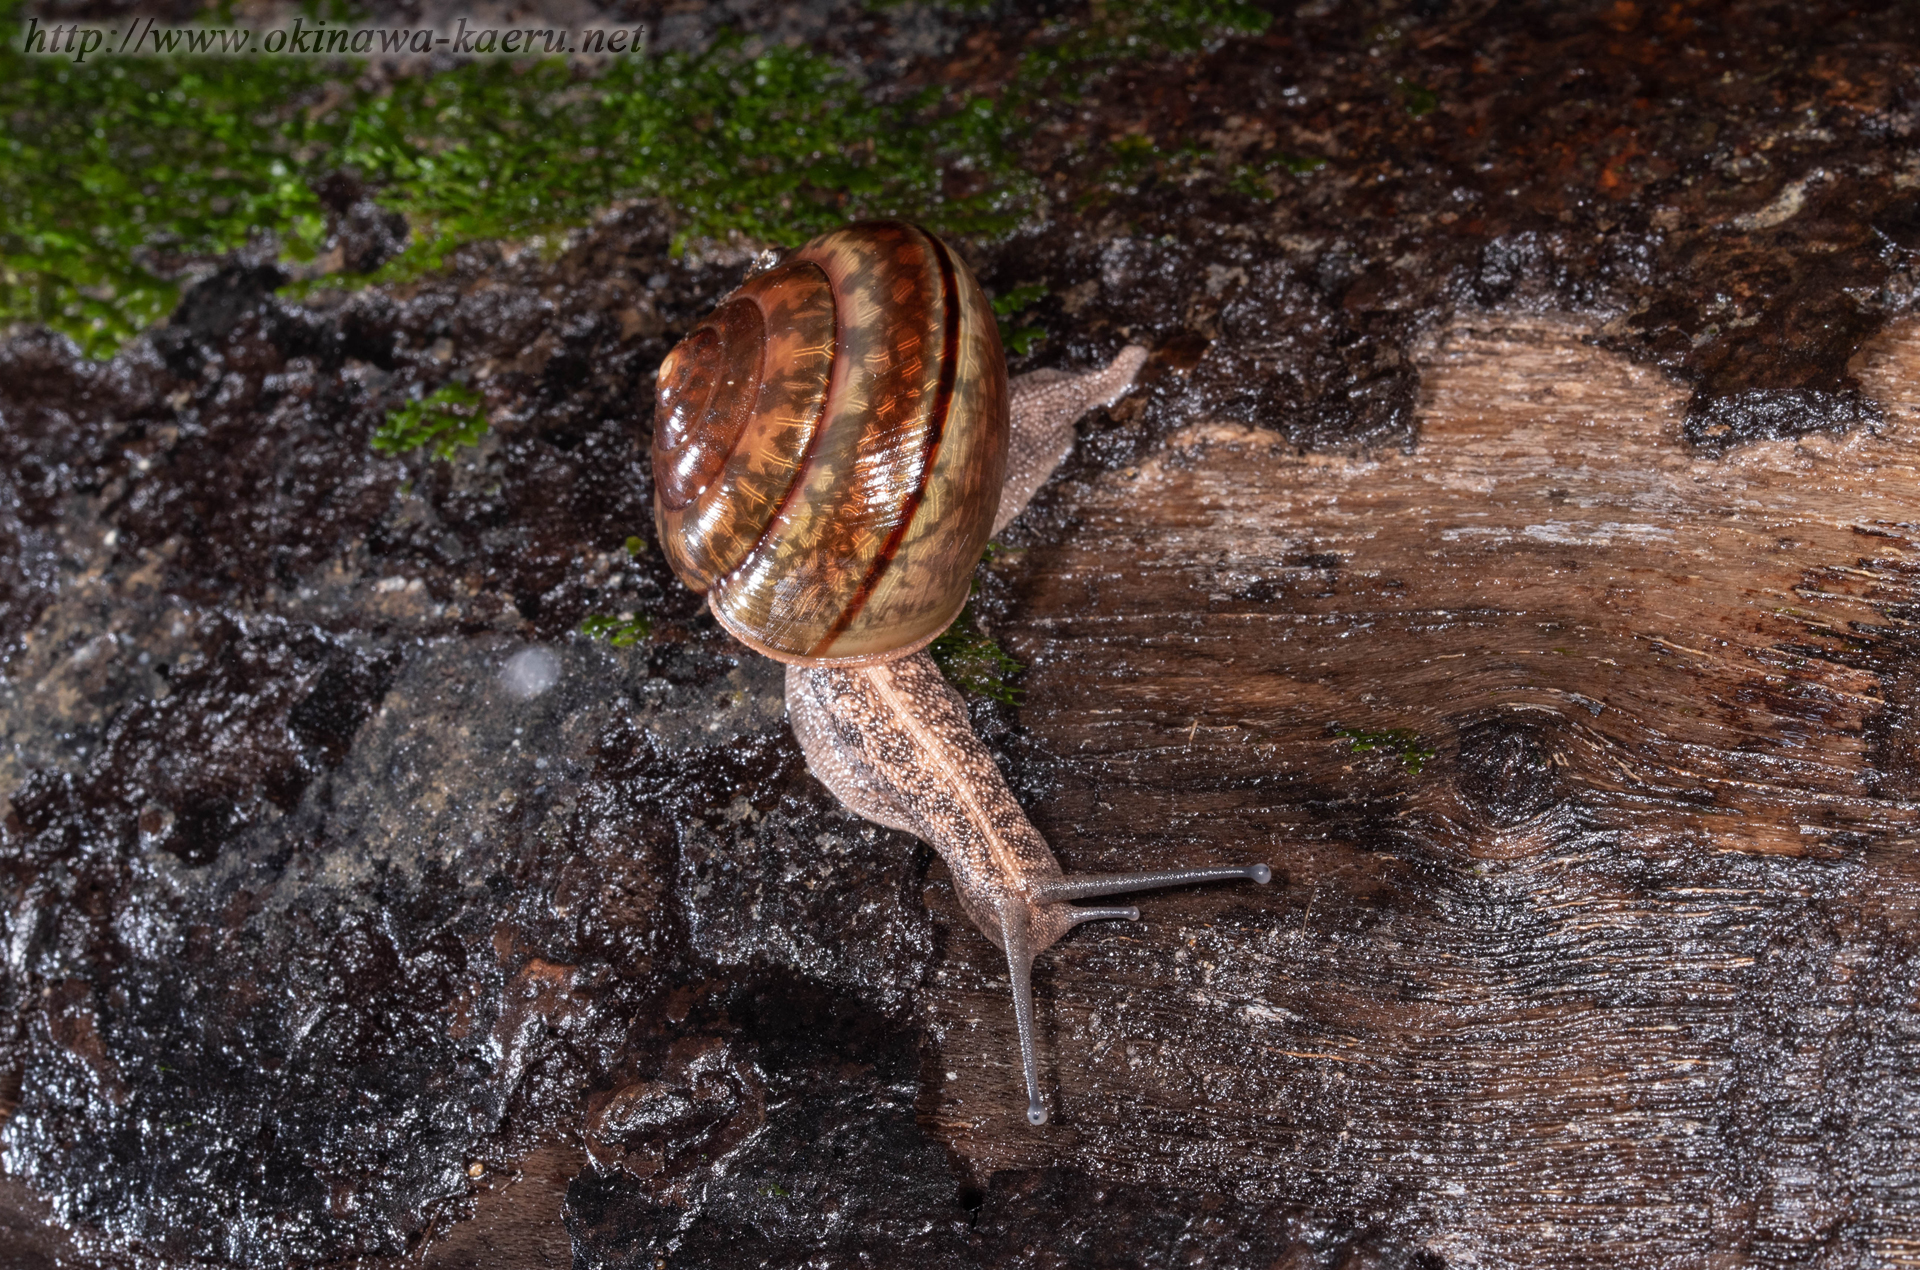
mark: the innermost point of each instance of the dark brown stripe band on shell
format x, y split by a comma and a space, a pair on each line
936, 430
791, 590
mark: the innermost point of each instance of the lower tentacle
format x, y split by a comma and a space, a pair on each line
1016, 936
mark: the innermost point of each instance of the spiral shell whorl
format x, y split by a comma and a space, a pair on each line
829, 447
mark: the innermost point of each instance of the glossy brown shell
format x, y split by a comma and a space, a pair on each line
829, 446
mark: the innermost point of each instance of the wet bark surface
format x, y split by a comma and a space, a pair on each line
1512, 541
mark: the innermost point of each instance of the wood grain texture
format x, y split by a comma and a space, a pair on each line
1590, 763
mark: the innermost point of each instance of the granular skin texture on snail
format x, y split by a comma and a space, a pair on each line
832, 449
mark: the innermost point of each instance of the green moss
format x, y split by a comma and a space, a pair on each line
1264, 180
1019, 340
1418, 99
623, 631
120, 175
1403, 742
1015, 338
115, 171
1071, 53
972, 662
777, 146
955, 6
1020, 299
1132, 159
443, 420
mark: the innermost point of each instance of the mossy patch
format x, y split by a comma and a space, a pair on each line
1418, 99
1016, 338
117, 173
1403, 743
1075, 50
777, 146
622, 631
973, 662
1267, 178
443, 421
121, 176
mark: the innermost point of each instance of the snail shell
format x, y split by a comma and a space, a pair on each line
829, 447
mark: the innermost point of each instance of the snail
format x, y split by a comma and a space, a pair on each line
833, 447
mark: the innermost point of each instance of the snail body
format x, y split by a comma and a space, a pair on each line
832, 449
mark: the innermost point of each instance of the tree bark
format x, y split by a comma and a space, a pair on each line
1588, 760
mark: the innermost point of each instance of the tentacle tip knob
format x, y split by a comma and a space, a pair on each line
1260, 873
1036, 1113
